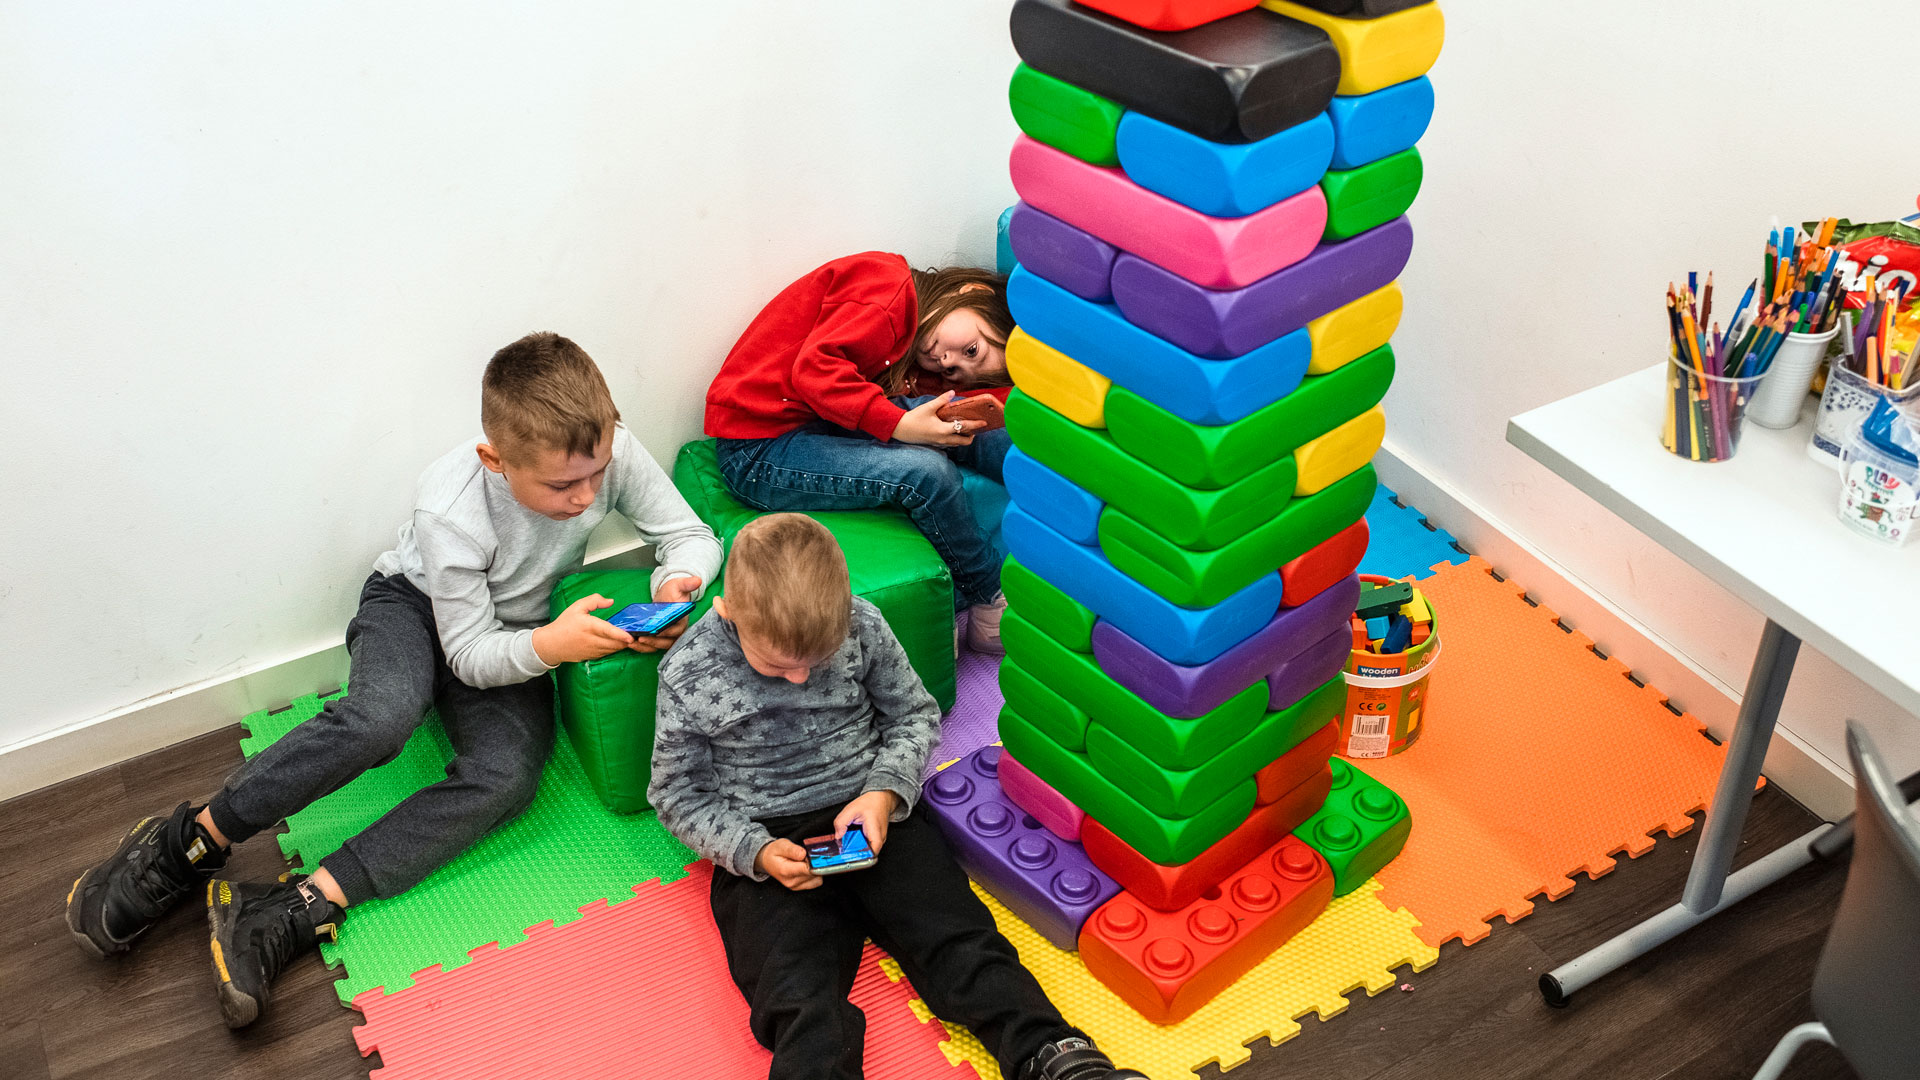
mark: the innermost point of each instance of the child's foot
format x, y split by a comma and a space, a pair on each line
160, 862
257, 930
983, 626
1074, 1059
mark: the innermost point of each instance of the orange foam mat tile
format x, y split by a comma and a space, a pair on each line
1355, 944
636, 989
1539, 760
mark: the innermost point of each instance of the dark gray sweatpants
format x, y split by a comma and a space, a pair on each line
500, 740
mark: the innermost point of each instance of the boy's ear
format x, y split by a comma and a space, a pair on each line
720, 607
490, 457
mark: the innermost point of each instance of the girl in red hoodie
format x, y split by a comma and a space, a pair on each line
829, 401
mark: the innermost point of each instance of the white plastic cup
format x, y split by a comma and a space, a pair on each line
1789, 380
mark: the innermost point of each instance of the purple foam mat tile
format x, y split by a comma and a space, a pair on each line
974, 720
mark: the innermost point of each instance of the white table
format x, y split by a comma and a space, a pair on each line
1763, 526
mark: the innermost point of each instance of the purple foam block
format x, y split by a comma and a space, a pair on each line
1048, 882
1189, 691
1077, 261
1307, 670
1221, 323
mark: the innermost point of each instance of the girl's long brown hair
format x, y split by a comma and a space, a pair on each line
941, 292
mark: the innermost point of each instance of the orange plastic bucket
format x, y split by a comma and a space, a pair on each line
1387, 694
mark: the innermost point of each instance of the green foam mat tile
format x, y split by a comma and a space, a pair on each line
565, 852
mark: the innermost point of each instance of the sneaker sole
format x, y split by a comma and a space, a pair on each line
237, 1008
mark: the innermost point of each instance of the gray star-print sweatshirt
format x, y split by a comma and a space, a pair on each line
732, 745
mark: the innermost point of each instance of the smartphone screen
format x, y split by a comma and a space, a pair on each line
648, 618
851, 852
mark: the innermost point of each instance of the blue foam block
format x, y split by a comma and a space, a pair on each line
1399, 544
1368, 127
1182, 635
1191, 387
1224, 179
1003, 244
1058, 502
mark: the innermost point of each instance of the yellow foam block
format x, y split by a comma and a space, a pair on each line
1340, 451
1355, 943
1350, 331
1057, 380
1376, 53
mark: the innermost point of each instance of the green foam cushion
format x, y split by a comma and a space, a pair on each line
1063, 618
1075, 679
1065, 117
1359, 829
1165, 840
889, 561
1217, 456
1185, 515
1185, 792
1373, 194
1057, 718
1198, 579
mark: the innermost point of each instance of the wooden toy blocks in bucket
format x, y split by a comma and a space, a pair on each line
1396, 638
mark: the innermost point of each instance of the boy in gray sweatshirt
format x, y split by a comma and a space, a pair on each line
790, 712
455, 618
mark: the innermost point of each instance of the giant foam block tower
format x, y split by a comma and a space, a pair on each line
1211, 222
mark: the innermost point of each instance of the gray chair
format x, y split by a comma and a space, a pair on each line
1866, 991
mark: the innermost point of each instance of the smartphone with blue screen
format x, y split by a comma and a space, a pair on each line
648, 618
850, 852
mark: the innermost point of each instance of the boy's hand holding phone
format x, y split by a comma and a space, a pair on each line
680, 590
578, 634
786, 862
873, 811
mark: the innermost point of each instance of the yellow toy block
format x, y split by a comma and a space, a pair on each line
1376, 53
1057, 380
1350, 331
1340, 451
1416, 609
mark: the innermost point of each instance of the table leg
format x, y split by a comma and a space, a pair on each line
1709, 888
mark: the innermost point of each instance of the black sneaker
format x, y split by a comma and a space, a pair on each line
257, 930
160, 862
1074, 1059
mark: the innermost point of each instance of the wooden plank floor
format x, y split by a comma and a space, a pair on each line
1707, 1007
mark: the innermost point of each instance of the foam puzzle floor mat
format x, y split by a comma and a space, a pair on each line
974, 720
1402, 542
634, 989
563, 853
1537, 760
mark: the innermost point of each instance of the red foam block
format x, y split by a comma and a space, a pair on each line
1171, 14
1297, 766
1324, 565
1167, 964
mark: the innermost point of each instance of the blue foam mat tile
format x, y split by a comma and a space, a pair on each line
1403, 543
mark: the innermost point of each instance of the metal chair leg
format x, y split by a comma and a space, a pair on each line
1789, 1045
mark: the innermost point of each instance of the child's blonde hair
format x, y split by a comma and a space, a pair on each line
543, 392
787, 587
940, 293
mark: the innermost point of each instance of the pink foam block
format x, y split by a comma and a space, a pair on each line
1218, 253
1037, 797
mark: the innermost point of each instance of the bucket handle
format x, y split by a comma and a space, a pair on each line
1387, 682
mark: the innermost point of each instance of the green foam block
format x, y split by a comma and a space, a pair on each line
1063, 618
1359, 829
1214, 457
563, 853
1074, 678
1185, 792
1196, 579
1184, 515
1373, 194
1064, 116
1168, 841
1057, 718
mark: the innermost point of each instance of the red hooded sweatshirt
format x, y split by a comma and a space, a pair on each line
813, 353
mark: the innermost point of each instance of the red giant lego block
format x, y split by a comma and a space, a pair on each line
1166, 964
1324, 565
1170, 888
1296, 766
1171, 14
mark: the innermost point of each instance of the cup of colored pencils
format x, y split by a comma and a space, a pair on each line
1711, 376
1880, 359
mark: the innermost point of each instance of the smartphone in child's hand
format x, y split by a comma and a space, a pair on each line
648, 618
850, 852
984, 408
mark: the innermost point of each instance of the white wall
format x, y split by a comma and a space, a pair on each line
253, 258
1582, 156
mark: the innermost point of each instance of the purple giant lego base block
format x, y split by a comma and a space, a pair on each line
1048, 882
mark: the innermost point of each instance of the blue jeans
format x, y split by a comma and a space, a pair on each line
824, 466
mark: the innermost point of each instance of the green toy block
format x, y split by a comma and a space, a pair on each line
1184, 515
1063, 618
889, 561
1373, 194
1203, 578
1167, 841
1185, 792
1360, 829
1382, 600
1064, 116
1215, 457
1056, 717
1076, 679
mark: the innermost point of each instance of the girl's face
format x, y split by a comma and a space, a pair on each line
961, 349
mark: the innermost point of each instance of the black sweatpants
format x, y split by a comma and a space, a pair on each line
500, 740
794, 955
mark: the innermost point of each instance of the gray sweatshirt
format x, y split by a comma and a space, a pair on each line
490, 564
733, 745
